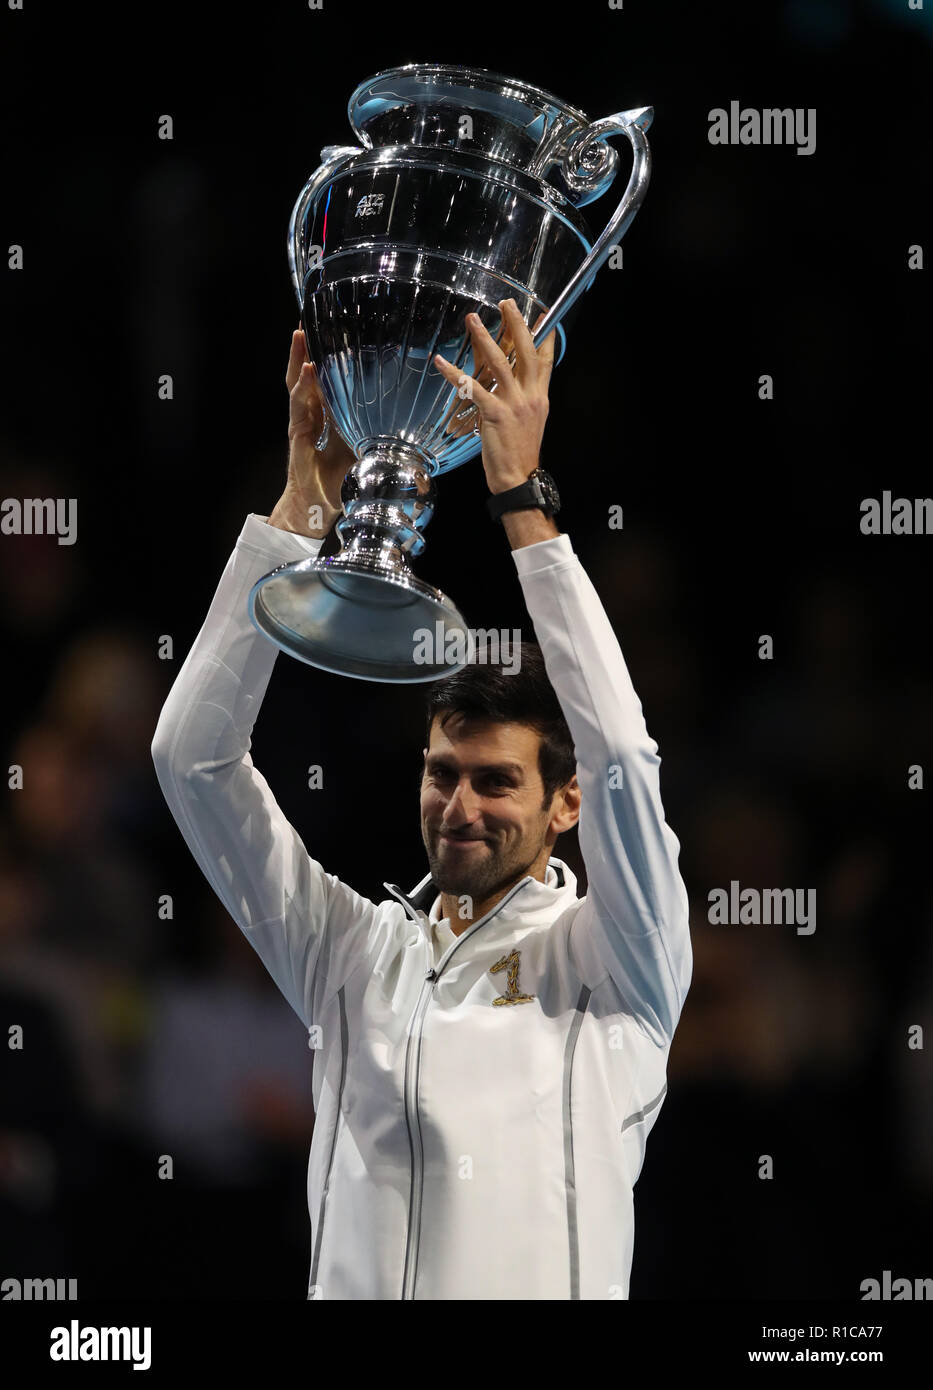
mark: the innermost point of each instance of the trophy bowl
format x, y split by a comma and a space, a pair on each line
463, 191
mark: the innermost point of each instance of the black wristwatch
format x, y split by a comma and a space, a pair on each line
539, 491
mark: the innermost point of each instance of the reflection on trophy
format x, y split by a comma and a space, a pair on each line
464, 190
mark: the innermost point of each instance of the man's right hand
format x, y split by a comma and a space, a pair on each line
312, 492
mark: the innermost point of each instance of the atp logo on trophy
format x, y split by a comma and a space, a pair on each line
369, 204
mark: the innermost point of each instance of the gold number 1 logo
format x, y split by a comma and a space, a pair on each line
510, 963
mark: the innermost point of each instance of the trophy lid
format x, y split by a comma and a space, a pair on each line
511, 121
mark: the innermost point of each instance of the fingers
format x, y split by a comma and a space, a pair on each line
533, 365
487, 352
306, 411
461, 419
297, 358
545, 353
525, 355
470, 388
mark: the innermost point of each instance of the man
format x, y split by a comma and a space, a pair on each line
490, 1050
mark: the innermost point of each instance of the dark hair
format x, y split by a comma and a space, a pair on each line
486, 691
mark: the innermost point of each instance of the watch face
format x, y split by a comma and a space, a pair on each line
549, 488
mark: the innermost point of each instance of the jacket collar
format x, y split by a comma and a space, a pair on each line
537, 899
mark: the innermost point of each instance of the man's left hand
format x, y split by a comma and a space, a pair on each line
512, 418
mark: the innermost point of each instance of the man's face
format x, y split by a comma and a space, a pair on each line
482, 819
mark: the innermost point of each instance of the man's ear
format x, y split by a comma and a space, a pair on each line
424, 752
568, 812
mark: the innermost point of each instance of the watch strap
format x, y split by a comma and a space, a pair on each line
527, 494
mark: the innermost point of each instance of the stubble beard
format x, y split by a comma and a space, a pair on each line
479, 881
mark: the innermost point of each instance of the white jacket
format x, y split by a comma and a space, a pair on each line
460, 1150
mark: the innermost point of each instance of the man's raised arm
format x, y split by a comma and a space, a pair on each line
636, 908
281, 898
635, 916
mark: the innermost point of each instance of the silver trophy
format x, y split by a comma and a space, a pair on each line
464, 190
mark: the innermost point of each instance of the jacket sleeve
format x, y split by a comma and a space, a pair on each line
635, 916
306, 925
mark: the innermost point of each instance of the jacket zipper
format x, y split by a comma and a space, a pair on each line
415, 1142
412, 1117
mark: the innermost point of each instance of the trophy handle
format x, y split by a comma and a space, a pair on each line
331, 156
584, 155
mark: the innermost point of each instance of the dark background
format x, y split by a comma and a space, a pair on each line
741, 518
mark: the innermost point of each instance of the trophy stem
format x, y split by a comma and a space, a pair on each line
388, 499
363, 612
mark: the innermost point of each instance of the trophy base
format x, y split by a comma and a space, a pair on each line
357, 619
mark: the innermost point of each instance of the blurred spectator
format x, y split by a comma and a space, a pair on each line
227, 1073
